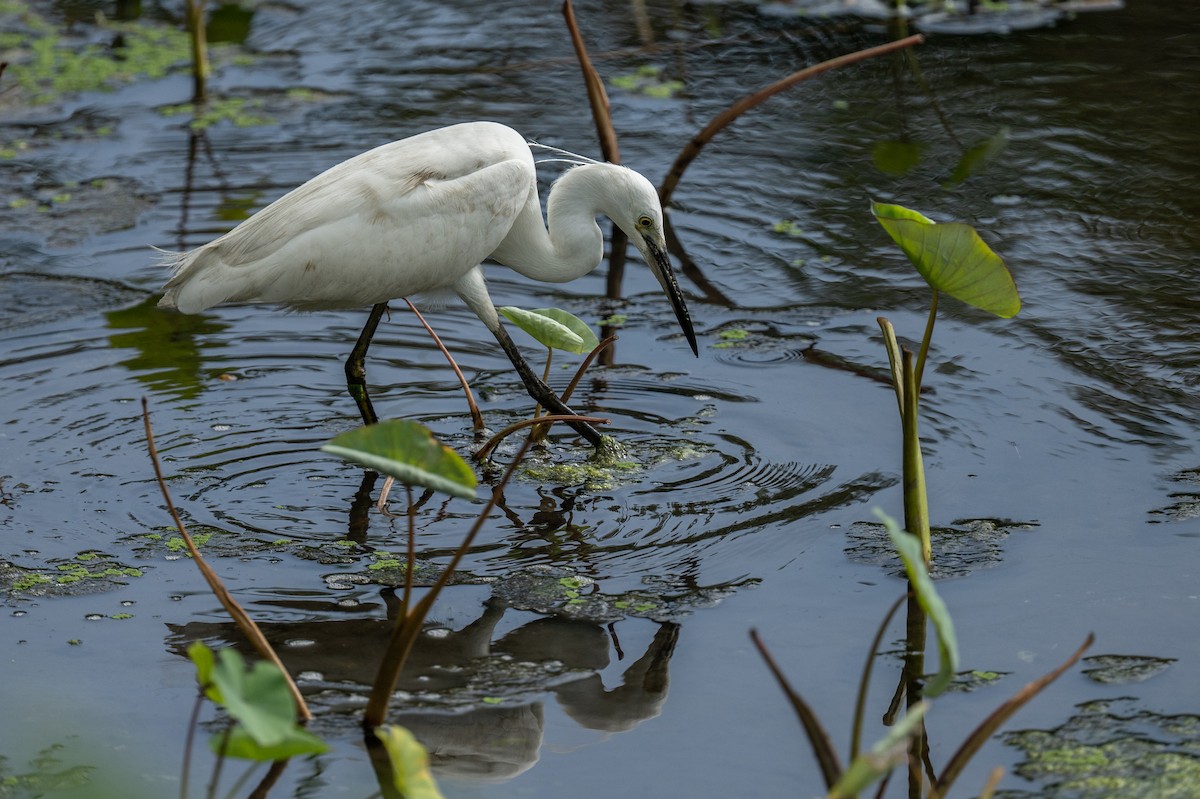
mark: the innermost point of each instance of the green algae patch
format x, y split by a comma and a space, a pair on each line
46, 64
1123, 669
241, 112
1112, 749
557, 591
87, 573
611, 465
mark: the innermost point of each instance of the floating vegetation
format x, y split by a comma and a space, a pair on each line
969, 545
647, 79
1100, 753
99, 205
46, 65
88, 572
242, 112
1123, 669
558, 591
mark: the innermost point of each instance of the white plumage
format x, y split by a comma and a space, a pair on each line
420, 215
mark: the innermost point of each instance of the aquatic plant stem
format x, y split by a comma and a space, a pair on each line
492, 442
719, 122
916, 503
188, 744
924, 351
860, 703
542, 431
476, 416
818, 738
408, 623
987, 728
607, 134
199, 38
240, 617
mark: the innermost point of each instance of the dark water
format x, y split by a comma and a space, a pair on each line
1073, 425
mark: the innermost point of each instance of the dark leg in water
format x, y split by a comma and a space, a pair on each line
539, 390
356, 372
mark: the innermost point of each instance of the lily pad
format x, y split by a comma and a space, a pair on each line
407, 451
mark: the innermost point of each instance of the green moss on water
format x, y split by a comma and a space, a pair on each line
122, 616
241, 112
47, 65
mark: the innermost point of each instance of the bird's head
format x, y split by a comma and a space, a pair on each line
635, 209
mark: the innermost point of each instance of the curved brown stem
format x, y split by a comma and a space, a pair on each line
240, 617
693, 147
487, 448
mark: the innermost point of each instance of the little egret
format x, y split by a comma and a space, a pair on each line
420, 215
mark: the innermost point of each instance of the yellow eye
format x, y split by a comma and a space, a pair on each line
645, 222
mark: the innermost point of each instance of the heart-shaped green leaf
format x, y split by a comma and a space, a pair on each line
258, 698
554, 328
205, 661
241, 744
952, 259
909, 547
407, 451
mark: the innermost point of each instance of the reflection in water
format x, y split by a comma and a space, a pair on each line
467, 671
168, 358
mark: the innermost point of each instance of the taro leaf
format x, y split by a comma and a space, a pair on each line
891, 751
241, 744
259, 698
203, 657
410, 763
554, 328
952, 259
909, 547
407, 451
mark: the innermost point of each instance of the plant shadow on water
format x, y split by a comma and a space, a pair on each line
754, 468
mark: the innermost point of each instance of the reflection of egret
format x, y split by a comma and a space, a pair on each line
419, 215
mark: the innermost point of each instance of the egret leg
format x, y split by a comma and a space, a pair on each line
540, 392
356, 371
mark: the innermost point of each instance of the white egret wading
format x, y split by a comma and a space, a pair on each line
419, 215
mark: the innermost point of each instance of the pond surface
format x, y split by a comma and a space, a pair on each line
1061, 448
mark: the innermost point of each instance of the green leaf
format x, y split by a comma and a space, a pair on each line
979, 156
553, 328
407, 451
909, 547
952, 259
410, 763
241, 744
203, 657
258, 698
890, 752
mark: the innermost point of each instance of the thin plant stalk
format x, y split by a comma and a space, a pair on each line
818, 738
860, 704
719, 122
408, 623
607, 134
916, 503
199, 39
240, 617
924, 351
492, 442
539, 433
989, 788
188, 744
476, 416
988, 726
411, 553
